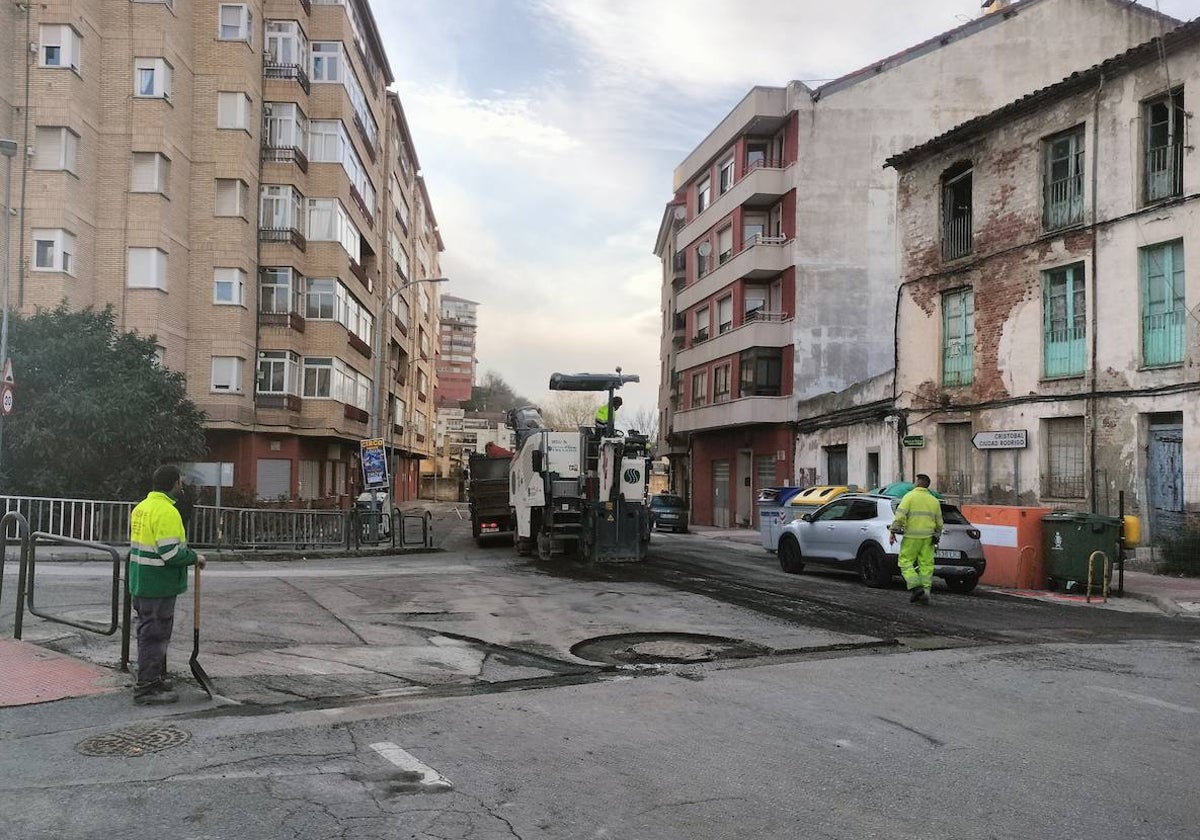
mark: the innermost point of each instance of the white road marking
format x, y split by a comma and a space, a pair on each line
407, 761
1142, 698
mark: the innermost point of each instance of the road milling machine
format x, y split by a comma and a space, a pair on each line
580, 492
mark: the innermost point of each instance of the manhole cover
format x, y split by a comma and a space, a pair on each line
653, 648
136, 740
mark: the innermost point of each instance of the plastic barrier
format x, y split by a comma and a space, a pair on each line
1012, 543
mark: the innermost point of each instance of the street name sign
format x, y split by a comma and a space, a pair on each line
913, 441
1015, 439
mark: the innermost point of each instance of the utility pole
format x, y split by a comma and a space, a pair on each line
8, 148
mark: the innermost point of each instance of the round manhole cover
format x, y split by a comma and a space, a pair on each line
134, 741
659, 648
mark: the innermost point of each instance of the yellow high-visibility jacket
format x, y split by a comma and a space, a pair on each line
158, 550
602, 415
919, 515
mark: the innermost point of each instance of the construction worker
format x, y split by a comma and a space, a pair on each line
603, 421
159, 558
919, 519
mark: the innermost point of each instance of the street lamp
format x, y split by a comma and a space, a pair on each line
8, 148
376, 391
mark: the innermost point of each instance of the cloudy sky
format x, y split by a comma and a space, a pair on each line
548, 131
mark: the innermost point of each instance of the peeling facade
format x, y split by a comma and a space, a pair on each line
1051, 271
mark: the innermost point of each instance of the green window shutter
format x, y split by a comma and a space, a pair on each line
1064, 322
1163, 310
958, 338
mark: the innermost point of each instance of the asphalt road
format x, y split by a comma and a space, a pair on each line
451, 696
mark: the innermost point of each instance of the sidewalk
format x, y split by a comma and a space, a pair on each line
1175, 596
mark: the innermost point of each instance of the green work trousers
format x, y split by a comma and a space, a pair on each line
916, 562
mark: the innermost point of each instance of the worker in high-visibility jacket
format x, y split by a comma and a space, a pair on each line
919, 519
603, 419
159, 557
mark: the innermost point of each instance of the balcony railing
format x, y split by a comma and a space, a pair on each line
1064, 202
287, 402
353, 412
1163, 338
284, 235
362, 205
291, 320
1164, 172
285, 154
274, 70
359, 345
359, 272
762, 163
956, 237
366, 138
763, 315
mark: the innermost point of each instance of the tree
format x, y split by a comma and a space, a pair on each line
645, 420
493, 394
568, 410
95, 411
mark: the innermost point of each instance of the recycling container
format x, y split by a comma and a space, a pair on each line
1069, 540
770, 502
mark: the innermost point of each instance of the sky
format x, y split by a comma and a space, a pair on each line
548, 132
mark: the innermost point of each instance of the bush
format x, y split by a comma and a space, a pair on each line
1181, 550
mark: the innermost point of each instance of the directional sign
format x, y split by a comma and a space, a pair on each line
1016, 439
374, 463
913, 441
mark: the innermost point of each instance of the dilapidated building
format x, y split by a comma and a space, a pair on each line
1048, 349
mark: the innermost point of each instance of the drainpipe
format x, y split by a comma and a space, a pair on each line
1091, 401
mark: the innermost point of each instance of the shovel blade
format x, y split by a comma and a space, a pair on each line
197, 669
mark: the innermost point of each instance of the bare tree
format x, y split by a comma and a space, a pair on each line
644, 419
568, 410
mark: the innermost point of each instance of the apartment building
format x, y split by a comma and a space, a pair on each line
456, 355
1051, 270
779, 247
235, 179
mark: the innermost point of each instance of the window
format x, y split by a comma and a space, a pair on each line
702, 253
328, 221
285, 127
724, 245
54, 250
1065, 322
280, 290
703, 195
761, 373
280, 208
61, 47
285, 43
146, 268
278, 372
699, 389
55, 148
327, 61
229, 286
320, 301
721, 377
233, 110
422, 383
234, 22
151, 172
762, 303
318, 377
754, 227
726, 176
958, 337
1064, 179
400, 310
1165, 127
1164, 315
331, 144
227, 374
724, 315
701, 333
151, 78
230, 197
956, 211
1064, 477
756, 154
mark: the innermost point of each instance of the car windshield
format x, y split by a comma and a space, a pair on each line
951, 515
668, 502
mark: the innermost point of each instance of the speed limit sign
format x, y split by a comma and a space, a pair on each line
6, 399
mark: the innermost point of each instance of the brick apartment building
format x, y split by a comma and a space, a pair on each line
779, 249
456, 350
235, 179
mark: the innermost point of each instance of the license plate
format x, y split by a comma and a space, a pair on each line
668, 516
946, 554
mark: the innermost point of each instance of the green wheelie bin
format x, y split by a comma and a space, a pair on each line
1070, 539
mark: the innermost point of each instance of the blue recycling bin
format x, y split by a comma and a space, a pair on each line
771, 502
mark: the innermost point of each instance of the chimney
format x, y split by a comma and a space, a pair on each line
990, 6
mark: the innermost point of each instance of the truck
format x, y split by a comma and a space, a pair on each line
580, 492
487, 492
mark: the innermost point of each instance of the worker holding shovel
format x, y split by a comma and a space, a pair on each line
158, 562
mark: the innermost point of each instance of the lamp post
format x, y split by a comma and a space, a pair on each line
8, 148
377, 391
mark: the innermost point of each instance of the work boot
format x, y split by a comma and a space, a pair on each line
156, 698
916, 594
923, 597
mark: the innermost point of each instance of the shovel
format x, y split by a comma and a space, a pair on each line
197, 670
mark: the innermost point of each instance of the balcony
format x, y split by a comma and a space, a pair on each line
679, 265
355, 413
285, 402
358, 344
285, 154
283, 235
747, 411
272, 70
766, 257
361, 273
288, 320
763, 111
366, 138
956, 236
757, 333
362, 205
761, 186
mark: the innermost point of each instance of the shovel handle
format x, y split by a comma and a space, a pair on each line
196, 600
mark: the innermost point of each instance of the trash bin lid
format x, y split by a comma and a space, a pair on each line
897, 489
776, 495
816, 496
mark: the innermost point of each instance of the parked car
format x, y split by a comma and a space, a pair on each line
851, 532
668, 511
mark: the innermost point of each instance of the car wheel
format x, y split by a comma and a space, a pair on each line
874, 567
790, 559
962, 585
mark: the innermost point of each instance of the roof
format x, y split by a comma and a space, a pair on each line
1081, 80
966, 29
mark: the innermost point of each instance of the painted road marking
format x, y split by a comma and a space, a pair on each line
410, 763
1142, 698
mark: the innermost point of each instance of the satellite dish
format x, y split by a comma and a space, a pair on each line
680, 213
705, 249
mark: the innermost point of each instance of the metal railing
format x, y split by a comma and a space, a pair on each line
764, 315
1164, 172
272, 70
956, 236
1064, 202
284, 235
285, 154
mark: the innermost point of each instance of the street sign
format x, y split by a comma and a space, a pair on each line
913, 441
6, 398
374, 463
8, 377
1016, 439
208, 473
